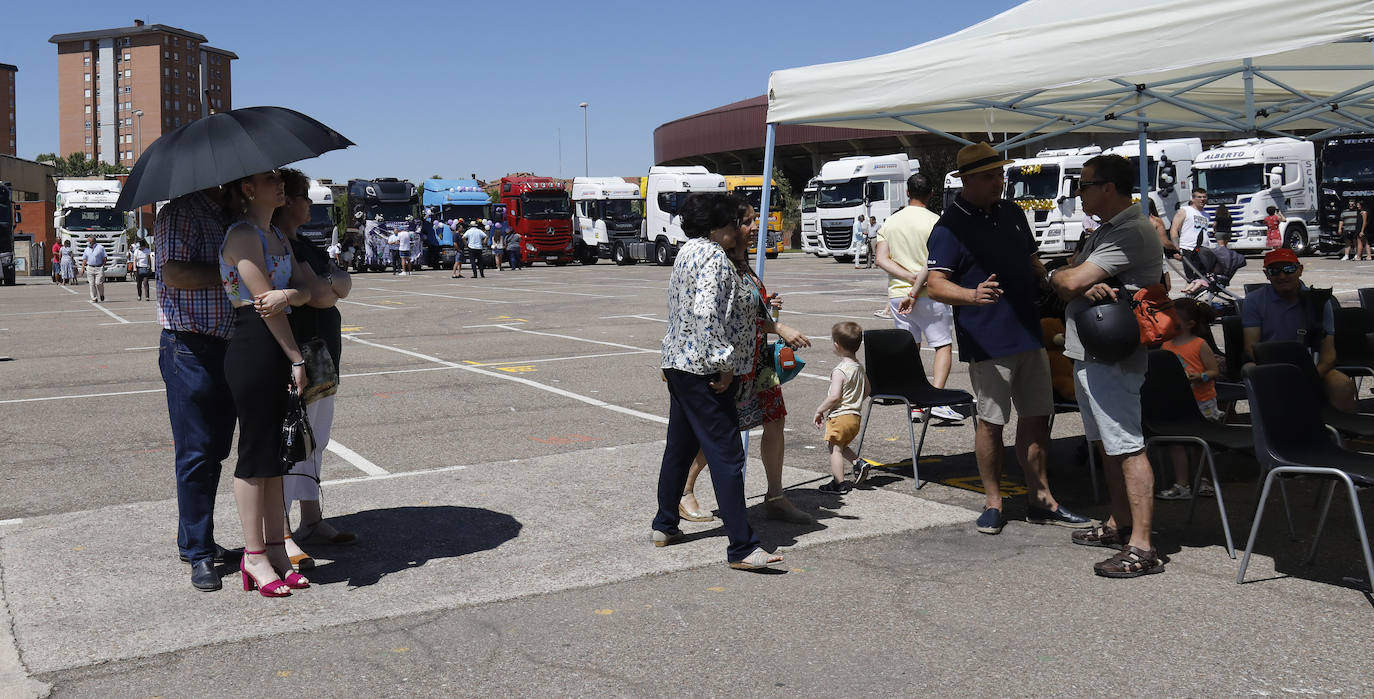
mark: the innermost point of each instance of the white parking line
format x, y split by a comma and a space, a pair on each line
108, 312
369, 305
68, 290
516, 379
4, 522
136, 349
43, 313
358, 461
442, 296
571, 337
560, 292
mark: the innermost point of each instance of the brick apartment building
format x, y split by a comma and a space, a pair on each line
8, 139
120, 89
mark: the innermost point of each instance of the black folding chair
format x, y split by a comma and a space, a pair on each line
892, 362
1229, 388
1354, 351
1359, 425
1252, 287
1366, 297
1170, 415
1068, 406
1291, 440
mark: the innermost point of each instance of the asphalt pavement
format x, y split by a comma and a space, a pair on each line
495, 445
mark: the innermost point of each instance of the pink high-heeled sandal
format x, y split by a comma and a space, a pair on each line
276, 588
293, 580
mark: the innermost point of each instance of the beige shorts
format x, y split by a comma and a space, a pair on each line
841, 429
1022, 380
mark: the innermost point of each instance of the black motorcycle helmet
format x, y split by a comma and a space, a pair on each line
1108, 330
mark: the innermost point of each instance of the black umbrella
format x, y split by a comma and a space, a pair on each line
222, 148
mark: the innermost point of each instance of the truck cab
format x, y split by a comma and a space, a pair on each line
451, 200
391, 199
319, 230
666, 188
810, 220
86, 207
953, 185
860, 185
1169, 168
1046, 187
1347, 173
539, 209
1247, 176
605, 210
750, 189
9, 216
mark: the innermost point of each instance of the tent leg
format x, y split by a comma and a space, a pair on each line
1145, 186
768, 142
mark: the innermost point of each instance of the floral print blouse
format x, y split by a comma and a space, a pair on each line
710, 313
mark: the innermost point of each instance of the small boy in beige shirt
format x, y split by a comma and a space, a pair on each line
839, 413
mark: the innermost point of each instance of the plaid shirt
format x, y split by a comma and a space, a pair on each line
191, 228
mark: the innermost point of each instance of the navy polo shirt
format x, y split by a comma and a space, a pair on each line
970, 245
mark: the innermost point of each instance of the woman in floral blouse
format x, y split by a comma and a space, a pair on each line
710, 342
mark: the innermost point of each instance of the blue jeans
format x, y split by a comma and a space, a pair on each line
203, 416
701, 418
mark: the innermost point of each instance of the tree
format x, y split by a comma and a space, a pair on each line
791, 207
78, 165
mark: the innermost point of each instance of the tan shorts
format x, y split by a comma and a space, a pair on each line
1020, 379
842, 429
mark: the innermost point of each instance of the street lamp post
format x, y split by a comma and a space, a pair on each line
586, 168
138, 137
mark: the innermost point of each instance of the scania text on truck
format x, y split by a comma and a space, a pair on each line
1347, 173
665, 189
605, 210
451, 200
810, 220
319, 230
1046, 187
86, 207
750, 189
1169, 166
539, 209
1248, 176
388, 197
859, 185
9, 216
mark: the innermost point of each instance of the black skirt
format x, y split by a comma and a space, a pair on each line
258, 373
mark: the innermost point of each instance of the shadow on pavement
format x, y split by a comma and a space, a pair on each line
400, 538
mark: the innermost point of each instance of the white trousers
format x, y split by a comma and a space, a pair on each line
96, 277
305, 486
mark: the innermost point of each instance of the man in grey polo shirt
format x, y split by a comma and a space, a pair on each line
1125, 249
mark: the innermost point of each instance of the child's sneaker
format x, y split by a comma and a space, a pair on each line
861, 468
835, 487
1177, 491
1205, 489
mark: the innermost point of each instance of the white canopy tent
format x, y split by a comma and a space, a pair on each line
1049, 67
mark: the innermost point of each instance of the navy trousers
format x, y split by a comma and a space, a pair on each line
203, 416
699, 418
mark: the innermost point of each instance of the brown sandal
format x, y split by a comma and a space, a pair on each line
1131, 562
1103, 536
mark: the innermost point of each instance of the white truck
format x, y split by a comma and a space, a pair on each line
860, 185
1169, 166
1248, 176
665, 189
85, 208
953, 185
810, 220
605, 210
1046, 186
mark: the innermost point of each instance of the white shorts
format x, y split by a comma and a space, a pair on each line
931, 318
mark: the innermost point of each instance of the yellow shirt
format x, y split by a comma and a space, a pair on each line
907, 233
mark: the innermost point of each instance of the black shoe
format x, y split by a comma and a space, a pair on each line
991, 521
1060, 517
835, 487
220, 554
204, 577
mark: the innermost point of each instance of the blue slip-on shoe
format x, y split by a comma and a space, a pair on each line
1059, 517
991, 521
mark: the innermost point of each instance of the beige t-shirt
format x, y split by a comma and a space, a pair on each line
852, 393
907, 233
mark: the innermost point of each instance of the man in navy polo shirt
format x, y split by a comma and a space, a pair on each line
983, 263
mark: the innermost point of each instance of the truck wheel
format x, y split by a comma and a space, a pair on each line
771, 255
661, 256
1296, 240
8, 277
588, 256
621, 256
561, 263
844, 258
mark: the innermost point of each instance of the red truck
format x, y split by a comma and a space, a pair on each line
539, 209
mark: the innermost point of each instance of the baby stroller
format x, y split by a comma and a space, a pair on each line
1209, 273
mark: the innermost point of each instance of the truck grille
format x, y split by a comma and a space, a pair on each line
837, 234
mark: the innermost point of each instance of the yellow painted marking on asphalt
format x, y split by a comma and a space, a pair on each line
283, 673
522, 320
469, 361
524, 369
400, 650
78, 548
716, 589
351, 329
975, 484
604, 612
392, 303
889, 439
798, 570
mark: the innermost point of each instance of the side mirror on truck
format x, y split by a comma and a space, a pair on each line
1276, 178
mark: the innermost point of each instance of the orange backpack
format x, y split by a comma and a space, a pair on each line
1154, 312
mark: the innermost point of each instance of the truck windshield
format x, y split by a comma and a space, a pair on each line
390, 212
753, 196
1358, 169
1231, 181
551, 205
465, 211
93, 220
319, 216
834, 196
809, 201
1152, 174
623, 209
1033, 182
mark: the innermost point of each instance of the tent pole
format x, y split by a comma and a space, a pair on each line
1145, 186
768, 143
1249, 76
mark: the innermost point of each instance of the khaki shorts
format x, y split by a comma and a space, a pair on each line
841, 429
1022, 380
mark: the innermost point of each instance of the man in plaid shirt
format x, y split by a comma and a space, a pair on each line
196, 320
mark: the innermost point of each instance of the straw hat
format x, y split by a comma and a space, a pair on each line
978, 157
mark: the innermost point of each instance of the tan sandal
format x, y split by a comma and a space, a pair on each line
757, 560
300, 561
690, 515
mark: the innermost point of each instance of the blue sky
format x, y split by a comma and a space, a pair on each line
453, 88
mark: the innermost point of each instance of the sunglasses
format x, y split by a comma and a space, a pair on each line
1084, 184
1276, 270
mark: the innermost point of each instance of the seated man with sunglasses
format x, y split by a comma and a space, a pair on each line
1284, 311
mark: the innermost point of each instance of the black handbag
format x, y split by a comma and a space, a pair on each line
297, 439
321, 375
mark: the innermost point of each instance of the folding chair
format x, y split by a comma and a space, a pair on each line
1358, 425
896, 376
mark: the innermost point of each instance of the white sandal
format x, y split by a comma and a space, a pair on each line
757, 560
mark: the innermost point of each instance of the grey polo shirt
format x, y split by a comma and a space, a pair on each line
1125, 247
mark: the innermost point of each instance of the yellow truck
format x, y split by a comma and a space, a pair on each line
750, 189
